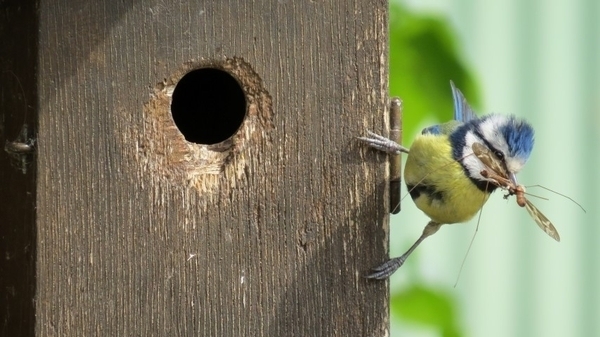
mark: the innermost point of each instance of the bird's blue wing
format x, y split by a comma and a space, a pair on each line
434, 130
462, 110
442, 129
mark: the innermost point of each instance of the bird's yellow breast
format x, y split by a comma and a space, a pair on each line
442, 190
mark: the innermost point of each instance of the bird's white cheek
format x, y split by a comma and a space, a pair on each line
470, 138
474, 166
514, 166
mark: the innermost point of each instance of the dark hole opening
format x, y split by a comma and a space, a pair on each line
208, 106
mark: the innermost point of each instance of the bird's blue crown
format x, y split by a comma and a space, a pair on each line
519, 137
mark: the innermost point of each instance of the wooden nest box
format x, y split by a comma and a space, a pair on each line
191, 168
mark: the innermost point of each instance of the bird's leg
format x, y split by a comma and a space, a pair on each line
383, 144
388, 268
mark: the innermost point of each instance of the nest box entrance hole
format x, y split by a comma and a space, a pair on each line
208, 106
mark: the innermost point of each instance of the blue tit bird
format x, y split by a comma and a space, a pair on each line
443, 176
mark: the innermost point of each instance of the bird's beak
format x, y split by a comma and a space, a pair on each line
513, 178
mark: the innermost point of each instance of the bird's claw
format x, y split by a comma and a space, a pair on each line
386, 269
382, 143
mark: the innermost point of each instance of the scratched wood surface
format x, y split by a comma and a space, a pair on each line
140, 233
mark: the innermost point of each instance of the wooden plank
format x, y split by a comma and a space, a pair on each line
18, 116
142, 233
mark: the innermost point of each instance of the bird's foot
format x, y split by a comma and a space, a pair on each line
382, 144
386, 269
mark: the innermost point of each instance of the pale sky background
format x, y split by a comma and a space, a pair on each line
539, 60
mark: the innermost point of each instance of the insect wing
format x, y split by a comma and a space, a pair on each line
488, 158
542, 221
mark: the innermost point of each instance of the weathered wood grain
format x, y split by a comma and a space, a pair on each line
138, 236
18, 120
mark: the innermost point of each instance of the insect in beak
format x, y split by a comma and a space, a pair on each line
509, 182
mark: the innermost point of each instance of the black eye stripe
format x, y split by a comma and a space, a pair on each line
497, 152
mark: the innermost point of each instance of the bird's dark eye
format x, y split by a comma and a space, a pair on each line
499, 154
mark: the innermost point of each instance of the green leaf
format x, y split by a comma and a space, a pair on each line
426, 306
424, 58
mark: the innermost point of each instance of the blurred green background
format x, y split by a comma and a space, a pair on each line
538, 60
